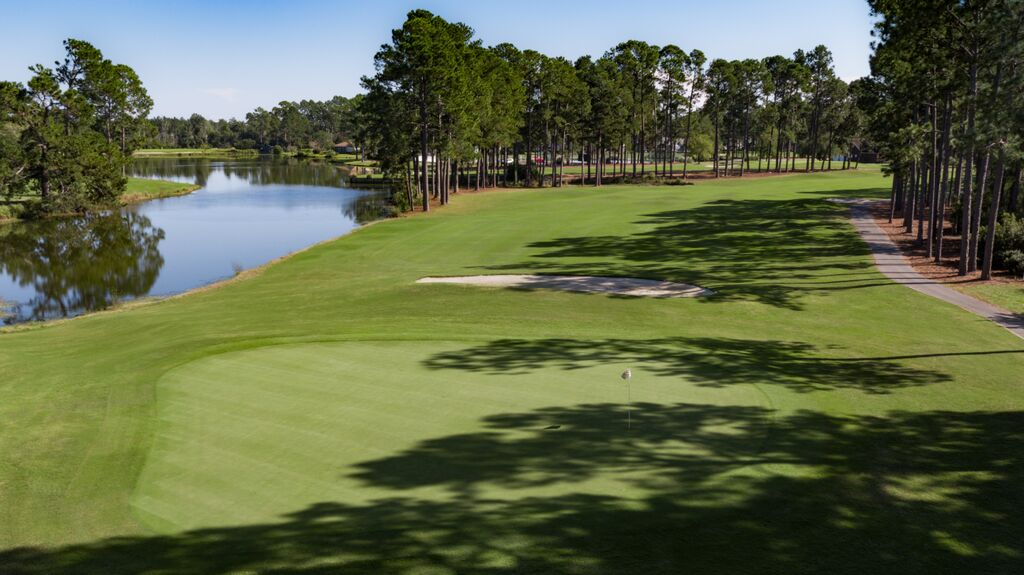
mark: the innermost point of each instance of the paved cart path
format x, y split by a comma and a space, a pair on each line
890, 261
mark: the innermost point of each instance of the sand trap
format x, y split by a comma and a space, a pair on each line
590, 284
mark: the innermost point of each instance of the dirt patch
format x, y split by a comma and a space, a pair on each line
636, 287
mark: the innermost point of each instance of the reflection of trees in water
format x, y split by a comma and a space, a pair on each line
367, 208
194, 169
80, 264
263, 171
289, 172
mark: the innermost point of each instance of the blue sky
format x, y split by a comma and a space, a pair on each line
224, 58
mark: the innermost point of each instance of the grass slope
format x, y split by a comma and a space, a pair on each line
144, 189
1005, 295
332, 414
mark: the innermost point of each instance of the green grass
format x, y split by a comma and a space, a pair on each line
144, 189
1008, 296
692, 167
330, 415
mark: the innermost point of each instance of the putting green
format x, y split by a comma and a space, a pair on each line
250, 436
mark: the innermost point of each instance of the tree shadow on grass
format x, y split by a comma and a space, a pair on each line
705, 489
770, 251
711, 362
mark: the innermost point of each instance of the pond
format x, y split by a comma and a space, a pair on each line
248, 212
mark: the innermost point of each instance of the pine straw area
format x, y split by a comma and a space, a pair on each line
945, 271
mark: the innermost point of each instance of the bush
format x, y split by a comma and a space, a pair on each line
11, 211
1013, 261
1009, 239
278, 150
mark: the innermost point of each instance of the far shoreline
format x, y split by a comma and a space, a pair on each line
137, 191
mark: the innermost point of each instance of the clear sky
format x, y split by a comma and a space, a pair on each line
225, 58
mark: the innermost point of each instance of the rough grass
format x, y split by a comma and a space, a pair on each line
143, 189
332, 415
1008, 296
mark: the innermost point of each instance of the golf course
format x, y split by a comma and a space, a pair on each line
329, 414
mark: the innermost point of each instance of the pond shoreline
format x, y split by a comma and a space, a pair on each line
147, 301
160, 189
257, 212
181, 189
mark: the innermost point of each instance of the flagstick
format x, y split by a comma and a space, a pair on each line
627, 375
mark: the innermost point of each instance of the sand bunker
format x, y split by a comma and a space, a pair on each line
590, 284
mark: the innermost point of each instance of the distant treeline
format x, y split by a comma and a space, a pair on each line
441, 104
290, 125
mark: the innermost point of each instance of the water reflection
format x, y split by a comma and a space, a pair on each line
249, 212
254, 171
76, 264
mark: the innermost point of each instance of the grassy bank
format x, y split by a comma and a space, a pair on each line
144, 189
137, 190
1008, 296
330, 414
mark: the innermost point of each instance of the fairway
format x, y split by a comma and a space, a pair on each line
330, 414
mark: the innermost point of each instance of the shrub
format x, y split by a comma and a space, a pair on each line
1013, 261
278, 150
1009, 238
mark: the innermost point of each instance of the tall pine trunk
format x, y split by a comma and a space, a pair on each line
982, 176
967, 195
993, 217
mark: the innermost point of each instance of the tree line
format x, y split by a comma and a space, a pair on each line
945, 96
67, 134
290, 126
443, 110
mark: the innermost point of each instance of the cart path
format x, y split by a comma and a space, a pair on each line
892, 264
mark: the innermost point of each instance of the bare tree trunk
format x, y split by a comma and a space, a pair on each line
424, 154
716, 144
408, 187
622, 155
933, 188
966, 195
908, 201
993, 217
972, 256
947, 127
922, 199
590, 156
515, 164
894, 196
746, 145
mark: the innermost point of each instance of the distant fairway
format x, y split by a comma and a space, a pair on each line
332, 415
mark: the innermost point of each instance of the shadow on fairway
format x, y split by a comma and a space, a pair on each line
711, 362
770, 251
707, 489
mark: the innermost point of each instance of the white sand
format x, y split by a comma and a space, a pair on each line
590, 284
